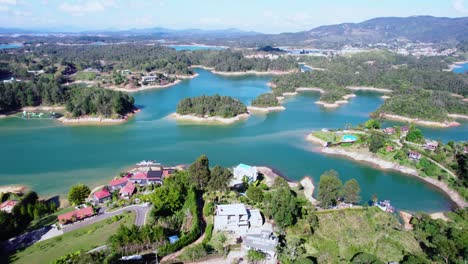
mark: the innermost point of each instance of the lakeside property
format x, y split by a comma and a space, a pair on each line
388, 149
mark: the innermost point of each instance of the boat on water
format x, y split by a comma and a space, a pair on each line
148, 163
385, 206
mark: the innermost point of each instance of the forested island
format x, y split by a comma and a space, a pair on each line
423, 80
266, 102
229, 61
211, 108
79, 101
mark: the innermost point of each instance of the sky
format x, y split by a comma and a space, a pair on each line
267, 16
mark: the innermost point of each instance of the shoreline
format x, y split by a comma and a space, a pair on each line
368, 88
445, 124
33, 108
91, 120
212, 69
142, 88
209, 120
337, 103
266, 109
460, 116
387, 165
455, 65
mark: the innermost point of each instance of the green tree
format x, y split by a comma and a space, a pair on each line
255, 256
377, 141
282, 206
351, 192
372, 124
329, 188
415, 135
365, 258
199, 172
78, 193
219, 179
255, 194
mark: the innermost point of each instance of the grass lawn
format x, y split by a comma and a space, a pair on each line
341, 234
85, 76
48, 220
326, 136
84, 239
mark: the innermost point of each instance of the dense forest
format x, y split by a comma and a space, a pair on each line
265, 100
423, 104
78, 100
234, 61
216, 105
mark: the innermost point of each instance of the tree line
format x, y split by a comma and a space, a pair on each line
265, 100
216, 105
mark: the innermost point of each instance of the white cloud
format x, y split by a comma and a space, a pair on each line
8, 2
84, 7
460, 6
4, 8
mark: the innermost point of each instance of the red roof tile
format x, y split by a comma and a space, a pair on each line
8, 203
118, 181
78, 214
140, 175
129, 188
102, 193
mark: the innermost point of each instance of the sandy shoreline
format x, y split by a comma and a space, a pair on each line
418, 121
366, 88
209, 120
13, 189
142, 88
336, 103
458, 116
266, 109
96, 120
383, 164
212, 69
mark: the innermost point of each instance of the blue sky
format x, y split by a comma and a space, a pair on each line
258, 15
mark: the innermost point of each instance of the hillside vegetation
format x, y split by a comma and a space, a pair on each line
216, 105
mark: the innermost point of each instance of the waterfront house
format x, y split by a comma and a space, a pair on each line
404, 130
242, 170
7, 206
76, 215
147, 177
414, 155
431, 145
264, 242
128, 190
149, 79
102, 196
389, 130
118, 183
231, 218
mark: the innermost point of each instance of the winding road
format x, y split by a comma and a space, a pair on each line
141, 210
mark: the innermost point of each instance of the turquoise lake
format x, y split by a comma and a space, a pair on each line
462, 68
49, 157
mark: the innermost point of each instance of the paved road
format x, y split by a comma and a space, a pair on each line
140, 211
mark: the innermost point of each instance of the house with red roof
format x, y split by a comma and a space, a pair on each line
389, 130
7, 206
128, 190
102, 196
150, 177
118, 183
76, 215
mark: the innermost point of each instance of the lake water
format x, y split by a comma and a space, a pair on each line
195, 47
50, 157
10, 46
462, 68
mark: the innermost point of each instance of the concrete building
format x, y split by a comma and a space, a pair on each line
231, 218
242, 170
264, 242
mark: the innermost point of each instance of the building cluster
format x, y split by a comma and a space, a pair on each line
238, 220
156, 78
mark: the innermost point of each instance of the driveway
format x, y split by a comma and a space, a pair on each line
140, 210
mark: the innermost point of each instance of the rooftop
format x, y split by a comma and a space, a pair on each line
8, 203
81, 213
129, 188
102, 193
118, 181
231, 209
244, 166
265, 241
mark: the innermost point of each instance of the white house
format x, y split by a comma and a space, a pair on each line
244, 170
265, 242
231, 217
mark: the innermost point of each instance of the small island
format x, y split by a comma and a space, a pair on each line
266, 102
211, 109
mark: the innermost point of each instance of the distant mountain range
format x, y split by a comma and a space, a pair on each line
377, 30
